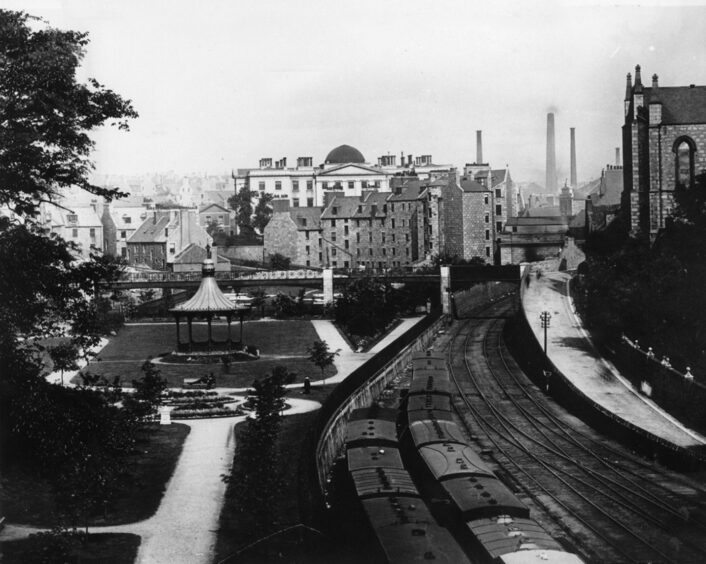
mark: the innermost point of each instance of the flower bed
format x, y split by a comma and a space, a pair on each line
190, 403
206, 413
189, 394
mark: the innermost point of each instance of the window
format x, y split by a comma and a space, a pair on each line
370, 237
334, 210
308, 263
370, 251
261, 186
384, 251
383, 237
514, 228
74, 233
306, 234
684, 150
208, 219
485, 199
487, 218
487, 234
333, 223
127, 219
346, 264
498, 193
123, 252
72, 218
333, 251
310, 202
345, 230
406, 237
278, 185
123, 234
295, 202
334, 263
393, 222
92, 232
357, 223
172, 248
308, 250
487, 251
498, 209
498, 226
351, 185
346, 244
295, 186
333, 235
321, 257
357, 251
309, 185
394, 251
392, 207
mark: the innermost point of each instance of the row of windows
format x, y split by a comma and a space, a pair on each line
91, 233
364, 264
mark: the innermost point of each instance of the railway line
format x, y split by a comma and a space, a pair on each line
612, 505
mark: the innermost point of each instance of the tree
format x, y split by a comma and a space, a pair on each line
279, 262
150, 387
366, 307
46, 114
241, 203
320, 355
68, 436
64, 357
259, 491
263, 212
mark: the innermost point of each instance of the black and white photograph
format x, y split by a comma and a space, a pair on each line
373, 282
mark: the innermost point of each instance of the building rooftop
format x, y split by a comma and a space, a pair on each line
344, 154
680, 104
151, 231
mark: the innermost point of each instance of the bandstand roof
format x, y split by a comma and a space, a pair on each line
208, 298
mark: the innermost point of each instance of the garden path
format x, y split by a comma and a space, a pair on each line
183, 531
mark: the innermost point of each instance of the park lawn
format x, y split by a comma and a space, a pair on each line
140, 341
281, 343
29, 500
101, 548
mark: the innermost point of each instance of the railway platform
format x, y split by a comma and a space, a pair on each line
570, 349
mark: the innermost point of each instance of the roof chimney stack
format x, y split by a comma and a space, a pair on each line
479, 146
655, 81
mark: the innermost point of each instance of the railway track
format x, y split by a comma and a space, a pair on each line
612, 505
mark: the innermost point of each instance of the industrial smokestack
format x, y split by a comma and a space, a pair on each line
551, 186
573, 157
617, 156
479, 146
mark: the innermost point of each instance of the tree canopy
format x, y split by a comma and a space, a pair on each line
45, 114
71, 436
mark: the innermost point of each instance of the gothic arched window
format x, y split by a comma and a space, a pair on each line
684, 148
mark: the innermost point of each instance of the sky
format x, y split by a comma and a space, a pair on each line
220, 84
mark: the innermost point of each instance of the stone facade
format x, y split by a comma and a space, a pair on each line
664, 147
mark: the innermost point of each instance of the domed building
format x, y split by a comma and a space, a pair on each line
344, 154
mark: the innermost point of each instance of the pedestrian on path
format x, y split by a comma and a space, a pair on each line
688, 375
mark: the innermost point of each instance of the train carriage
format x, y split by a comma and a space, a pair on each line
432, 430
374, 457
481, 496
428, 360
430, 381
408, 533
364, 432
453, 460
375, 482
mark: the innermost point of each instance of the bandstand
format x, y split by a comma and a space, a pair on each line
207, 303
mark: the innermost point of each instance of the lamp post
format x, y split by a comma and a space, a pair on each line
545, 317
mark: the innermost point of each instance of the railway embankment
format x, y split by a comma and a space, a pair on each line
579, 378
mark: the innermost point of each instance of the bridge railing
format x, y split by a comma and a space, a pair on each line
220, 275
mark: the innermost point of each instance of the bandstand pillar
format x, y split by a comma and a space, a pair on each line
208, 319
189, 319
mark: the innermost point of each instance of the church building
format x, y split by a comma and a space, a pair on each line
664, 147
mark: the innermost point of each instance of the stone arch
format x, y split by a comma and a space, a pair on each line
684, 148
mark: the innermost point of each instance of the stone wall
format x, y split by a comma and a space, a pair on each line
280, 236
333, 437
243, 252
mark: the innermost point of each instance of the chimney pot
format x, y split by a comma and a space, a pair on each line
655, 81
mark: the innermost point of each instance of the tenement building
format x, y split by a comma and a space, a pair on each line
344, 170
664, 147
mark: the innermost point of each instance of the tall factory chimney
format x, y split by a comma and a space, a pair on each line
573, 157
551, 186
617, 156
479, 146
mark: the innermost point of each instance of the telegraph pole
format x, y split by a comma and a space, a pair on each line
545, 317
